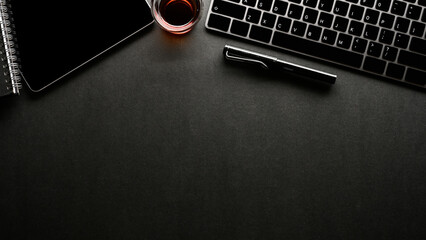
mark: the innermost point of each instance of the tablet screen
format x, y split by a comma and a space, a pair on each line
57, 37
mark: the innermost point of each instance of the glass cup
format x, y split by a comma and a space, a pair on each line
176, 16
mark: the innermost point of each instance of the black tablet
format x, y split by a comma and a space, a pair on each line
56, 38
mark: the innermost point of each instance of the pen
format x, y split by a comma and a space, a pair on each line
273, 63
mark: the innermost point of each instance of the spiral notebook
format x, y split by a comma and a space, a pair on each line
51, 39
9, 73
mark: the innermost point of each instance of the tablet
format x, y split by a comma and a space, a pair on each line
55, 38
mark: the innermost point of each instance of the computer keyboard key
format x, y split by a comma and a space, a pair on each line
340, 24
374, 49
325, 20
374, 65
295, 11
229, 9
329, 36
264, 4
260, 34
386, 20
356, 12
398, 8
268, 20
424, 16
416, 77
310, 15
383, 5
344, 41
371, 32
412, 59
368, 3
253, 15
240, 28
418, 45
250, 3
316, 49
298, 28
359, 45
295, 1
422, 2
417, 29
353, 1
310, 3
326, 5
341, 8
280, 7
219, 22
356, 28
401, 40
402, 24
283, 24
371, 16
395, 71
314, 32
386, 36
413, 12
389, 53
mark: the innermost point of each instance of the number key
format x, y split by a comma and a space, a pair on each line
368, 3
251, 3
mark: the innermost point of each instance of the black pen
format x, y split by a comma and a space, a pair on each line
272, 63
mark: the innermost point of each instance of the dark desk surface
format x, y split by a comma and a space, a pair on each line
163, 139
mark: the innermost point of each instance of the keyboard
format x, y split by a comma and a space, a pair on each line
386, 38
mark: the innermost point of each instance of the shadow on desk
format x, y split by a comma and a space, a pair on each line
7, 103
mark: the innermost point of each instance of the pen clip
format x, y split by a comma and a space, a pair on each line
243, 59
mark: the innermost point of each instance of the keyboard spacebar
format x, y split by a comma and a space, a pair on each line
319, 50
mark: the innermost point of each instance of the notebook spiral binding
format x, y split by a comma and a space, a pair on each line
10, 48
